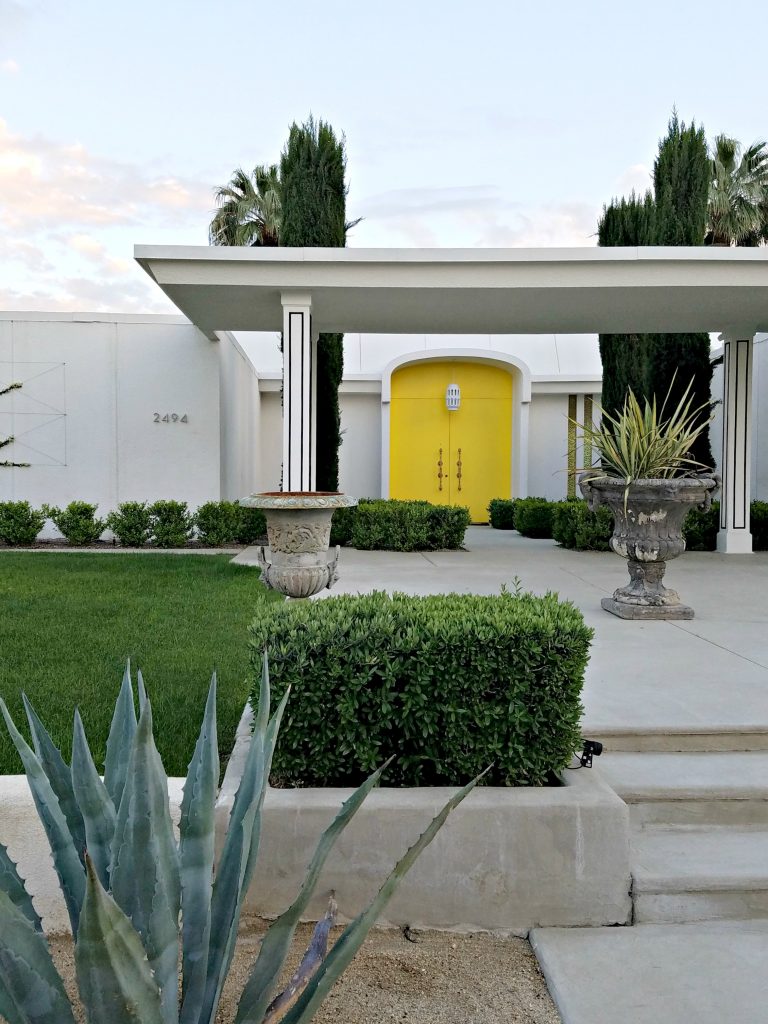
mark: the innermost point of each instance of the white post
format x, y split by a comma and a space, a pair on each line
299, 391
735, 537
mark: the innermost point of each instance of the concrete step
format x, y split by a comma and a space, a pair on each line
675, 974
693, 788
684, 874
725, 737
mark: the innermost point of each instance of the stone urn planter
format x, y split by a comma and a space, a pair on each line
648, 532
299, 532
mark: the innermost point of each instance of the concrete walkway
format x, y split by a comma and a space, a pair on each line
675, 974
709, 674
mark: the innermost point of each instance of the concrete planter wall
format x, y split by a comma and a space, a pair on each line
299, 531
648, 532
506, 859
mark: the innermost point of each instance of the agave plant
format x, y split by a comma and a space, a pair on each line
643, 443
139, 901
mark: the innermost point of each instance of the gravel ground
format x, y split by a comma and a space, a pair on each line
441, 978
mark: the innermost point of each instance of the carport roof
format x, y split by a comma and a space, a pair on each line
468, 291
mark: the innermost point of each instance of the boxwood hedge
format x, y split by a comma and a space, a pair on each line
378, 524
450, 684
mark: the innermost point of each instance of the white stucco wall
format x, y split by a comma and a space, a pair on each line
360, 452
240, 404
85, 417
548, 446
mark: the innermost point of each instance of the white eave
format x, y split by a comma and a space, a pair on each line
462, 291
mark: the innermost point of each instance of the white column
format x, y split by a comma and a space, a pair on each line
299, 391
735, 537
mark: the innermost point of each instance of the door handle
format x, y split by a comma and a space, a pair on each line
440, 473
458, 469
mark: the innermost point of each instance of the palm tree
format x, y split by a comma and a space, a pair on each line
249, 208
738, 194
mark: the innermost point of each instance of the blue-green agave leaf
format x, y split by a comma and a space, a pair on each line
59, 776
113, 974
142, 690
314, 956
354, 934
31, 991
95, 803
196, 853
277, 941
238, 857
120, 740
12, 884
65, 858
144, 873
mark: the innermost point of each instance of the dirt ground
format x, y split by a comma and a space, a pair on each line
441, 978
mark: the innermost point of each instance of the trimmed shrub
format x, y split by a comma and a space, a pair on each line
447, 527
388, 525
501, 513
252, 525
759, 525
171, 524
218, 522
131, 523
77, 522
450, 683
575, 526
700, 528
533, 517
20, 523
342, 522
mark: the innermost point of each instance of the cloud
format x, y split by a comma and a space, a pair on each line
472, 216
47, 184
636, 178
31, 256
96, 252
80, 294
10, 67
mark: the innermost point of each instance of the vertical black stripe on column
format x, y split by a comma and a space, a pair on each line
726, 425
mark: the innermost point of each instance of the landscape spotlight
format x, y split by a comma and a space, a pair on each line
592, 748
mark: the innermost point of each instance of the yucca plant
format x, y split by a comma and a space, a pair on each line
139, 901
643, 443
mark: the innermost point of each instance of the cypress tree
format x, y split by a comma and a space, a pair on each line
314, 195
625, 222
681, 175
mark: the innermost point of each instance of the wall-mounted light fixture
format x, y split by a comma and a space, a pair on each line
452, 397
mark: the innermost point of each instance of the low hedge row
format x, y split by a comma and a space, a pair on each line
377, 524
530, 516
164, 524
573, 525
450, 684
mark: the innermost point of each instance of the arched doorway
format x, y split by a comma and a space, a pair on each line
460, 456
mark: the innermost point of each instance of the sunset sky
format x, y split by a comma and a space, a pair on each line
468, 124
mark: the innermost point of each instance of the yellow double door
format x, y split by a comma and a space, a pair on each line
459, 457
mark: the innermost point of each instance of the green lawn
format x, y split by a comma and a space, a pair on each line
68, 622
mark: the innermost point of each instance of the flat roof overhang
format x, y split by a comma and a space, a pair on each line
468, 291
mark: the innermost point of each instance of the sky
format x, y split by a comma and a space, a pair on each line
477, 124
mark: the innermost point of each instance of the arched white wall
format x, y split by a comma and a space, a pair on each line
520, 410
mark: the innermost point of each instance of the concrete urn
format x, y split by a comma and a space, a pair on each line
648, 532
299, 533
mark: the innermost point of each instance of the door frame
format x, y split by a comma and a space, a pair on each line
521, 403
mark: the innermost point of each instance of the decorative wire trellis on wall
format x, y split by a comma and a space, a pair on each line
5, 441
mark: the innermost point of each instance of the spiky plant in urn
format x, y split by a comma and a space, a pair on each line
650, 482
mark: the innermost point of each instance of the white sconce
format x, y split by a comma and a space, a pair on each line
452, 397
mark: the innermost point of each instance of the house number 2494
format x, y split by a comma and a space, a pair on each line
171, 417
